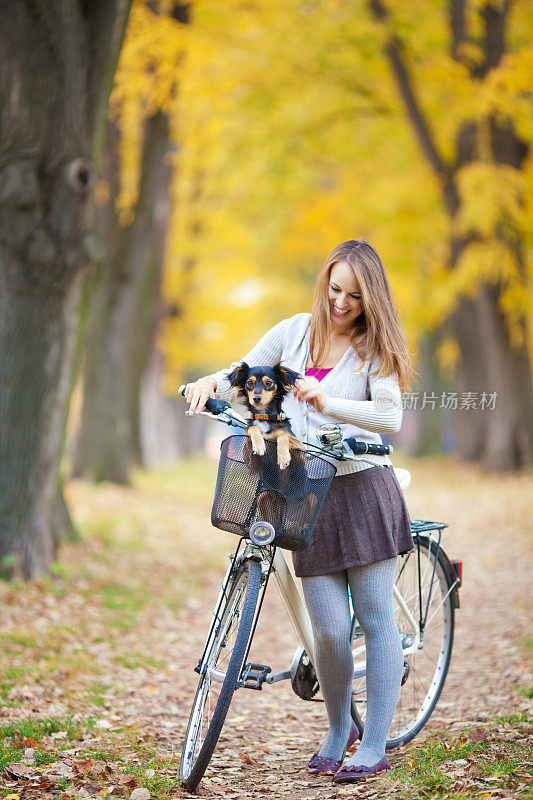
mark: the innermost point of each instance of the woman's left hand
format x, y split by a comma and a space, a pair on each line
309, 391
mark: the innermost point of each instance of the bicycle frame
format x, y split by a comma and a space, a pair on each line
297, 611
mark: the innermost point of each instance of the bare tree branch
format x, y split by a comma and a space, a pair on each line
106, 26
495, 18
414, 111
457, 26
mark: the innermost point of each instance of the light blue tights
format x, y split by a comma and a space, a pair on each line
326, 597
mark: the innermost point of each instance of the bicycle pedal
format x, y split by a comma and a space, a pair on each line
254, 676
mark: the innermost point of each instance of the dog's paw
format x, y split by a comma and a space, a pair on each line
284, 459
259, 447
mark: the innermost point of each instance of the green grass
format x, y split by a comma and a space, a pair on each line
123, 748
95, 694
193, 477
135, 660
104, 532
165, 780
35, 729
10, 678
495, 762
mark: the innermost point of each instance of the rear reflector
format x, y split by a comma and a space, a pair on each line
458, 567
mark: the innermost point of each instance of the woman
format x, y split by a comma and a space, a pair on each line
353, 352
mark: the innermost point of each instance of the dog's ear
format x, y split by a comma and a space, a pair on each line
238, 376
285, 376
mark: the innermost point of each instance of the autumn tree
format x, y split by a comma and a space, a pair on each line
482, 185
123, 305
132, 215
58, 61
407, 123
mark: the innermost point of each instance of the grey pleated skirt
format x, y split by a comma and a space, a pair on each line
364, 519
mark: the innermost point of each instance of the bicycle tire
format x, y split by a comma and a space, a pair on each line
426, 669
229, 645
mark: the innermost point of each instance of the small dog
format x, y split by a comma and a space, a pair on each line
286, 501
263, 390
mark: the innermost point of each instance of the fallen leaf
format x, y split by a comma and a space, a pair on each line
478, 735
127, 780
140, 794
61, 768
25, 743
19, 770
248, 759
83, 765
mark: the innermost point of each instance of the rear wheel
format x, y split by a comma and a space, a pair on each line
425, 668
220, 671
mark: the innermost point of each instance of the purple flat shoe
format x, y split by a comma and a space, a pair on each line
352, 773
318, 765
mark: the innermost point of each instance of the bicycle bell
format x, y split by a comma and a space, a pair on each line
262, 533
329, 434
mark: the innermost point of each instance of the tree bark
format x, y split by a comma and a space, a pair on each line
430, 387
58, 60
123, 314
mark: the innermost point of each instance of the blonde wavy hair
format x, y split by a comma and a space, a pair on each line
378, 331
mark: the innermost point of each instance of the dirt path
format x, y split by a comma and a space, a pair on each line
269, 735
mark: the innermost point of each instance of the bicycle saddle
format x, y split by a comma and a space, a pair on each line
403, 476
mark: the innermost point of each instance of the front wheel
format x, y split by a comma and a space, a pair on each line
423, 586
220, 671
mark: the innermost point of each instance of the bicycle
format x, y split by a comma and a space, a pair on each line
426, 594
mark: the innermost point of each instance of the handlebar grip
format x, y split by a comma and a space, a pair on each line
360, 448
215, 407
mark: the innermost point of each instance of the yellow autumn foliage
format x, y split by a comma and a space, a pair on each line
291, 137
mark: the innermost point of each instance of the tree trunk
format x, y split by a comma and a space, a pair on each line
38, 332
57, 68
430, 387
500, 438
122, 316
470, 376
166, 433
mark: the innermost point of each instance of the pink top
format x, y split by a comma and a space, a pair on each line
318, 373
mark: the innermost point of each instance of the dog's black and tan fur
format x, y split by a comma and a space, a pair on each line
263, 390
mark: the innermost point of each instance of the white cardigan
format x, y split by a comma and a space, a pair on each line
364, 404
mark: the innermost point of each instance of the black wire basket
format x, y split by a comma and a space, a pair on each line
251, 488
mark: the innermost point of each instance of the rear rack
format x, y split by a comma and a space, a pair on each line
421, 525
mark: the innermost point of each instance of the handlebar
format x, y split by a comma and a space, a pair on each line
214, 407
360, 448
221, 408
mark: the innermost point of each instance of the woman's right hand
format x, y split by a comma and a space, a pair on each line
198, 393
